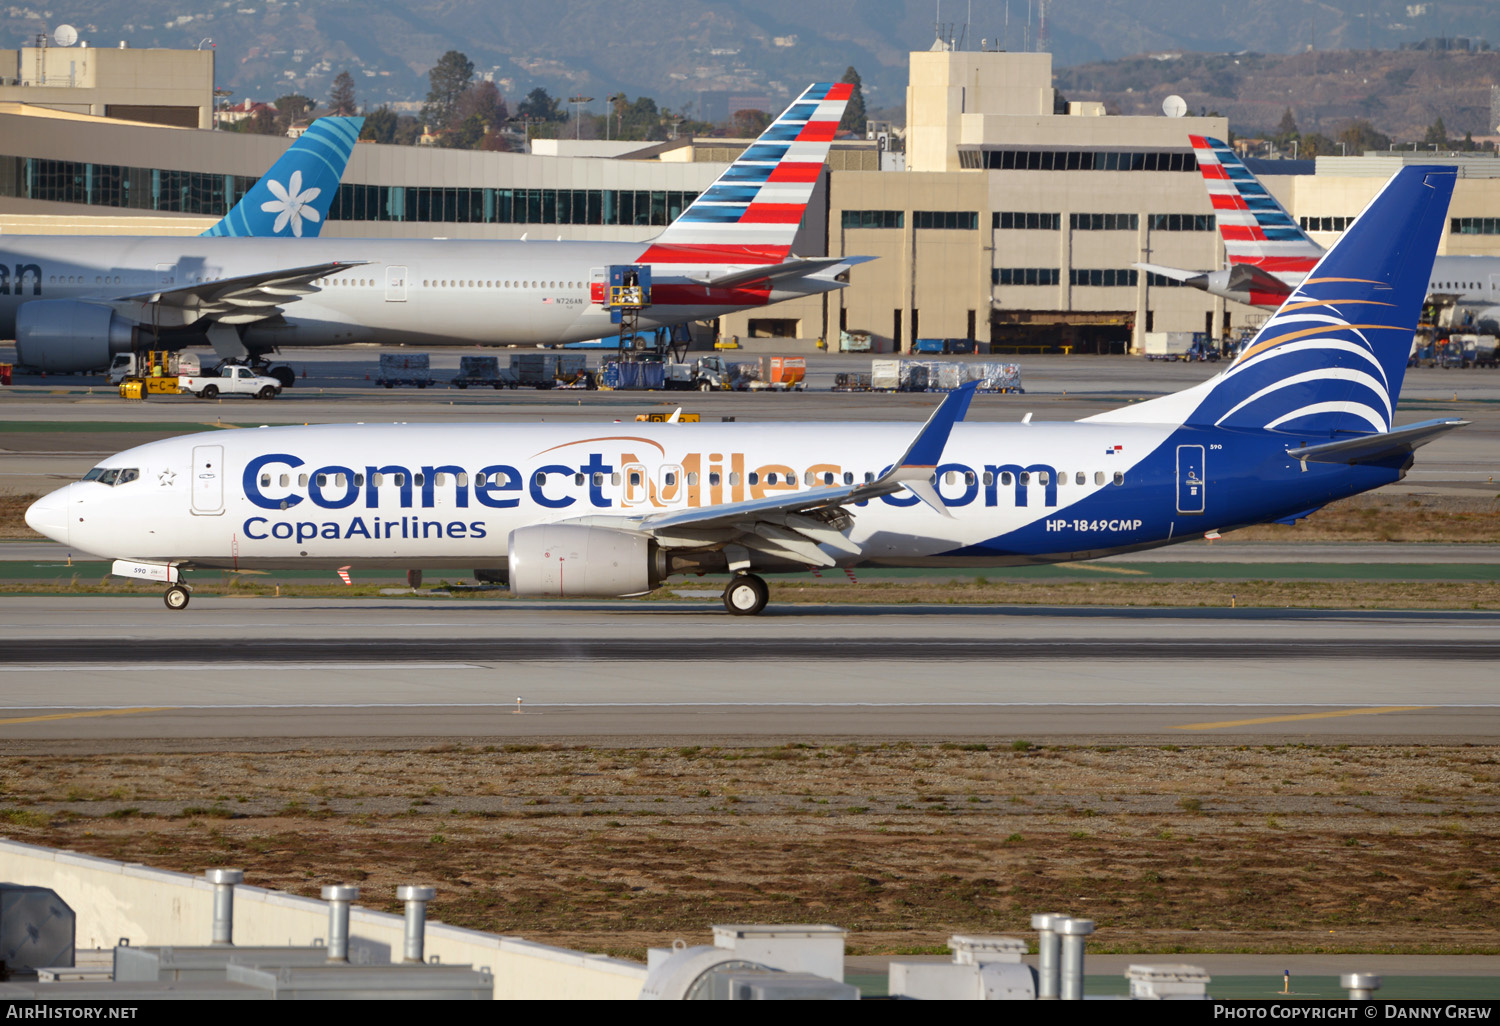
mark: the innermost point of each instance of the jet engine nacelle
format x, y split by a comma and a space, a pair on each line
62, 335
573, 561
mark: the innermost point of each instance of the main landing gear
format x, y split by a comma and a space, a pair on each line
745, 595
176, 597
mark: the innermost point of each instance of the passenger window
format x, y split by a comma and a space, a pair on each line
714, 479
479, 480
301, 480
339, 481
401, 480
614, 478
598, 480
809, 478
692, 478
439, 478
359, 480
322, 480
989, 478
1025, 477
578, 479
1119, 478
754, 478
734, 477
541, 478
1080, 478
285, 480
848, 477
420, 479
1005, 478
635, 479
1042, 477
265, 480
770, 478
463, 480
1098, 477
669, 479
951, 477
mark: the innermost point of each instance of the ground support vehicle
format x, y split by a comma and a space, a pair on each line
233, 379
705, 374
404, 369
482, 371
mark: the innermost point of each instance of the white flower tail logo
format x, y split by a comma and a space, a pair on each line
291, 204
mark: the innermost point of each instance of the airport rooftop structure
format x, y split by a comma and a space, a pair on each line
1013, 219
163, 87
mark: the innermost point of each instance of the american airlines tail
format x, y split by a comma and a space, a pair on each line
752, 211
293, 197
1257, 230
1331, 360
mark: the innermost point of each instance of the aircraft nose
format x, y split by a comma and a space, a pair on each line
49, 515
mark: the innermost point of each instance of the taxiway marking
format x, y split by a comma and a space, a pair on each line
1301, 716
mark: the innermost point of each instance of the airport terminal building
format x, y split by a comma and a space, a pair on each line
1013, 220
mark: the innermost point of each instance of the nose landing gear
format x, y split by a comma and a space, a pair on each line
745, 595
176, 597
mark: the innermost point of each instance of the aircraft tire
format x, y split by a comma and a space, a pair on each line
209, 392
283, 374
176, 597
745, 595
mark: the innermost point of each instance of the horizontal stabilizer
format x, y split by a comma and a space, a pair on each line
1175, 274
1248, 278
781, 272
1387, 449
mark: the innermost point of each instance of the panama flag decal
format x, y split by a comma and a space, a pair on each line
1114, 449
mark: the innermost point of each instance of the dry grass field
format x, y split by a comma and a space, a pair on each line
1204, 848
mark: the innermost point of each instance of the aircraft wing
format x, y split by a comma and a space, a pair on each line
238, 300
795, 525
1386, 449
780, 272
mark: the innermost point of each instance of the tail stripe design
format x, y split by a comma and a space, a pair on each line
1257, 230
1332, 359
294, 196
751, 213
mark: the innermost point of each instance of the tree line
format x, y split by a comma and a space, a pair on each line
465, 114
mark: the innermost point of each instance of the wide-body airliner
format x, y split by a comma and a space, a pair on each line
1269, 253
730, 249
1304, 416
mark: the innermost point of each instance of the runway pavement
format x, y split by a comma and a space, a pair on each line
259, 671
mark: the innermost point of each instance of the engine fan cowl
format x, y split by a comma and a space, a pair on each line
573, 561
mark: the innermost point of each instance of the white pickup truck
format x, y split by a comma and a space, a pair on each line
231, 380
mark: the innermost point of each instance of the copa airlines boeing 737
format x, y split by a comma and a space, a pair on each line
730, 249
68, 301
1301, 418
1269, 254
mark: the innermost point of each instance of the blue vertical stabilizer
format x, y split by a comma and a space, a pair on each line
292, 199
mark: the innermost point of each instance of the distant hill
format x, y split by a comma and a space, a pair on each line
1400, 93
675, 49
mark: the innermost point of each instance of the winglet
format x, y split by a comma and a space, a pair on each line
914, 469
926, 450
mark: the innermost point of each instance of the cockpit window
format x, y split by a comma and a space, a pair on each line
113, 476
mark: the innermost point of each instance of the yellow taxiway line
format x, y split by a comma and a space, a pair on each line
82, 715
1301, 716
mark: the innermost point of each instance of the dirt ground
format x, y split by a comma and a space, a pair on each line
1203, 848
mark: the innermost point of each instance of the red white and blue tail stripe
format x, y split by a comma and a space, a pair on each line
1257, 230
751, 213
